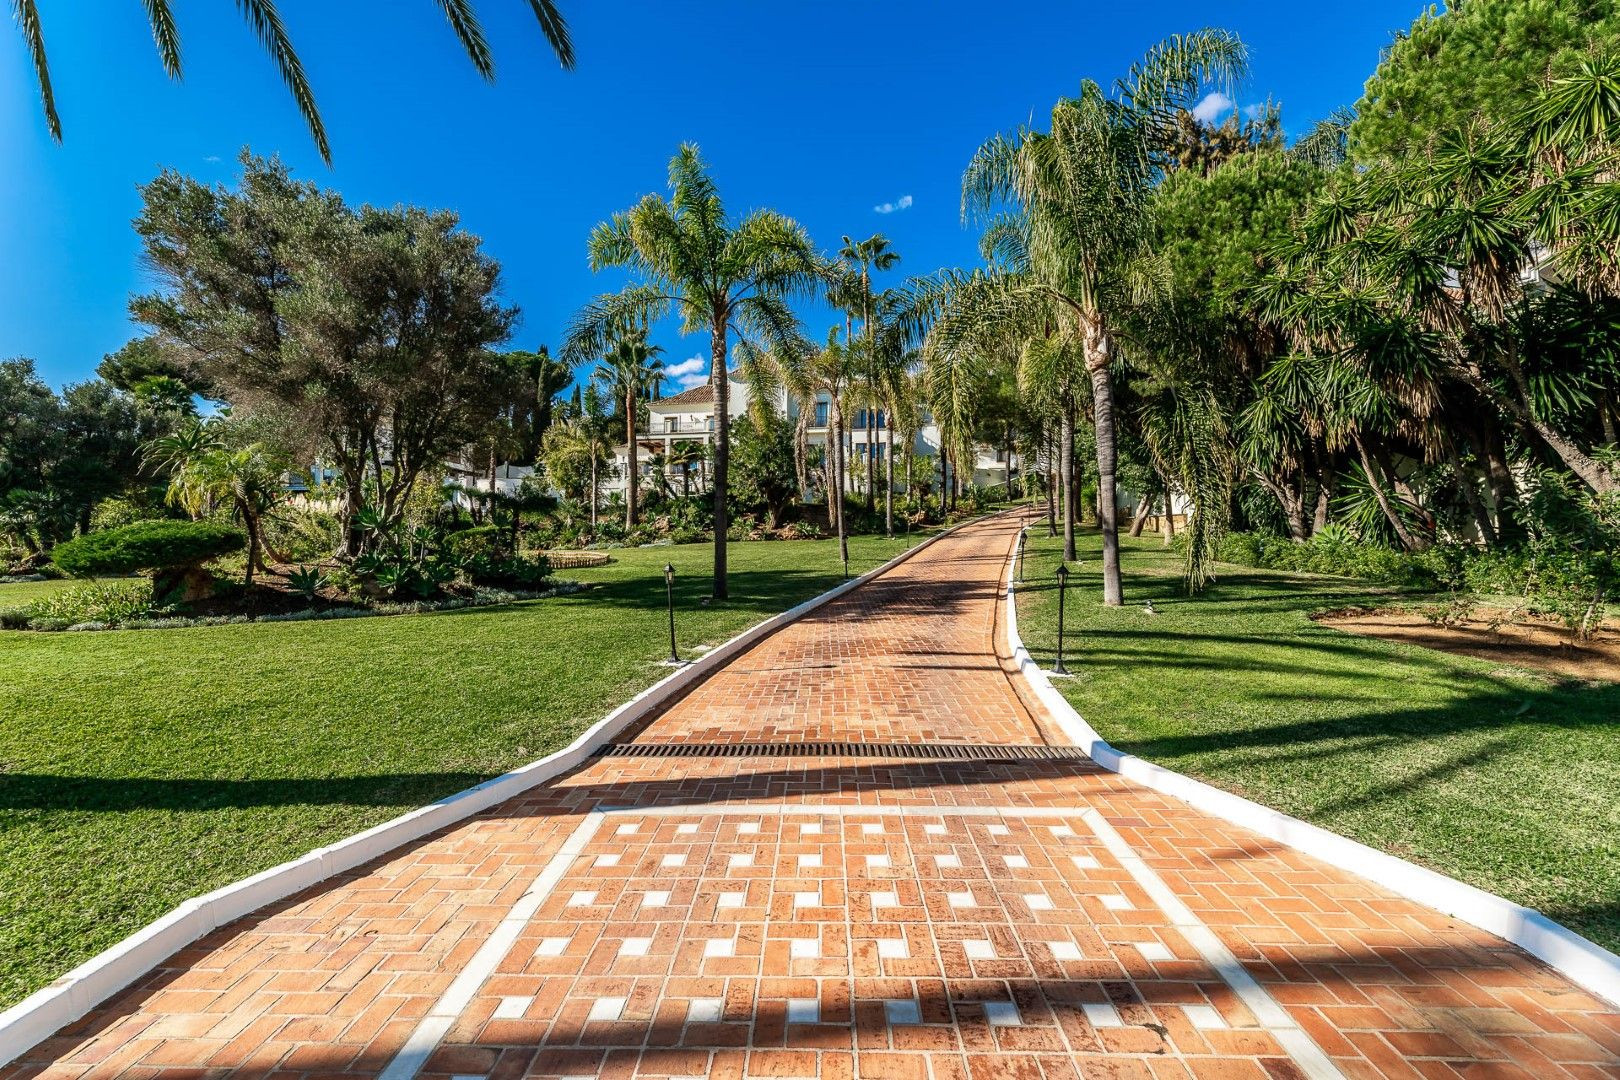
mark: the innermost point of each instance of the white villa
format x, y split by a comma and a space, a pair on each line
689, 417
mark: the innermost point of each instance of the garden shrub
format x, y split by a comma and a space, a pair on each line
96, 601
171, 551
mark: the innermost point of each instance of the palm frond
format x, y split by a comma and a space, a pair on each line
265, 20
26, 13
555, 28
470, 32
165, 34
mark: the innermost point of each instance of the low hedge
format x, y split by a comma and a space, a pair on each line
147, 545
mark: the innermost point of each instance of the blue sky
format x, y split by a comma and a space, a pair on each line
851, 116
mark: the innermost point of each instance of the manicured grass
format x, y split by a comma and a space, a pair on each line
138, 768
1502, 778
18, 593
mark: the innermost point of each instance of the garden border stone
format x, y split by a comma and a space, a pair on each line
1583, 961
53, 1007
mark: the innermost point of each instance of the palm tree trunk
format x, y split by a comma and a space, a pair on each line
888, 478
1051, 489
722, 449
634, 472
1376, 479
871, 458
1139, 520
1099, 352
1066, 467
1168, 525
801, 451
593, 489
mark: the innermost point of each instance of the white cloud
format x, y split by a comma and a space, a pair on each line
687, 373
1214, 106
902, 203
212, 159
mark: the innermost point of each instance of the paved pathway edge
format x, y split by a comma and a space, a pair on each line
1583, 961
71, 996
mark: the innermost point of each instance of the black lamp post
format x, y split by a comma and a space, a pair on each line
843, 547
669, 593
1063, 592
1022, 536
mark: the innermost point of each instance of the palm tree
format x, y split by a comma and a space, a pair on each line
1083, 190
686, 455
862, 257
628, 374
265, 21
724, 276
205, 472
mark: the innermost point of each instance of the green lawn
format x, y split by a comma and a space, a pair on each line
18, 593
138, 768
1499, 777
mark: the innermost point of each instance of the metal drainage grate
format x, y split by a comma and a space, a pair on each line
932, 751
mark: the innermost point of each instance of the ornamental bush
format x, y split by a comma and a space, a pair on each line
172, 552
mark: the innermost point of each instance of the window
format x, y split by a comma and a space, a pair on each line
711, 423
821, 413
671, 424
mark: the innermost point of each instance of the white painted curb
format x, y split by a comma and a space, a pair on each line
43, 1013
1584, 962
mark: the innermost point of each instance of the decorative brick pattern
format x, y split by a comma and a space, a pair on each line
841, 917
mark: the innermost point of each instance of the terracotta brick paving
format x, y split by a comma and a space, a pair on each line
834, 917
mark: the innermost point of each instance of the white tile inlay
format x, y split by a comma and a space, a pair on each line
1062, 830
607, 1008
742, 860
732, 899
978, 949
893, 949
1086, 862
686, 830
961, 899
635, 946
807, 899
674, 860
804, 1011
875, 862
1152, 950
1002, 1014
582, 899
1116, 902
657, 898
748, 827
1015, 862
512, 1008
902, 1011
1064, 950
934, 830
998, 830
1103, 1015
947, 862
885, 899
1038, 901
872, 828
810, 827
1204, 1017
720, 946
552, 946
705, 1010
804, 948
607, 860
626, 830
807, 861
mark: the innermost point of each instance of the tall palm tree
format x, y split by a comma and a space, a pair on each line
205, 472
687, 455
628, 374
725, 276
264, 20
1084, 190
863, 257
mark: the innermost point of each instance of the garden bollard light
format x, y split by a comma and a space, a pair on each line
1022, 536
1063, 592
669, 592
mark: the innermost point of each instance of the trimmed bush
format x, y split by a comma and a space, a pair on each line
171, 551
96, 601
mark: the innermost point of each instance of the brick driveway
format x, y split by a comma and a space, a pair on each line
891, 914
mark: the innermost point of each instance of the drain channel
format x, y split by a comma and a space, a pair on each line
926, 751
